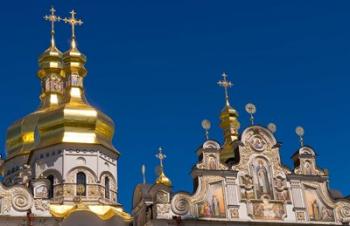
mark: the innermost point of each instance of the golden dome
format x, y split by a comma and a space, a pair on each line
75, 121
21, 134
64, 115
229, 123
162, 179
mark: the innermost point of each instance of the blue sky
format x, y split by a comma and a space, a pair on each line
153, 67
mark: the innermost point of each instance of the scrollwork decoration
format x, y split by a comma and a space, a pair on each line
180, 205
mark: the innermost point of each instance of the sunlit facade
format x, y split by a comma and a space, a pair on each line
61, 166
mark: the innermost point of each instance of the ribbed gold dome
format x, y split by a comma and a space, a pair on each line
64, 115
229, 123
21, 134
75, 121
162, 179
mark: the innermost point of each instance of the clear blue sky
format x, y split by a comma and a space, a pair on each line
153, 67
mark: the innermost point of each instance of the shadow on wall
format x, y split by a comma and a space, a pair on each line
86, 218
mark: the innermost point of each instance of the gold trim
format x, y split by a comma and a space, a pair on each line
101, 211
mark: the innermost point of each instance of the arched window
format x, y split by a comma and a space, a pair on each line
51, 179
81, 184
107, 188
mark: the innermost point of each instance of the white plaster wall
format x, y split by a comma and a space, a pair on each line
51, 162
107, 164
72, 161
15, 163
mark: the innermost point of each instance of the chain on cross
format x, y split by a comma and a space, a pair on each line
225, 84
73, 22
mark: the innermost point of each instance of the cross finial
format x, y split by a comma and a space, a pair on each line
300, 132
161, 156
206, 124
53, 19
225, 84
251, 109
73, 22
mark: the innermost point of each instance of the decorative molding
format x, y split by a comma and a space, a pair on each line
180, 204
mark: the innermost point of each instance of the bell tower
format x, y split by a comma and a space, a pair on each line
75, 151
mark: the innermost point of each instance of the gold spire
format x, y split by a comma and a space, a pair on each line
50, 72
73, 22
162, 178
229, 122
52, 18
225, 84
74, 62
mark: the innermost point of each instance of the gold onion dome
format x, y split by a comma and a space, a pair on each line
51, 75
162, 178
229, 123
64, 115
21, 134
75, 121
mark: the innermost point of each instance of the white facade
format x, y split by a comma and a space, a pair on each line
38, 202
64, 162
255, 189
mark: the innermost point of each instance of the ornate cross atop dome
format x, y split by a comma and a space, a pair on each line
53, 19
162, 178
225, 84
73, 22
161, 156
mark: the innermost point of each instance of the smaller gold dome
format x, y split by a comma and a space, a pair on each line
229, 123
162, 179
51, 58
74, 60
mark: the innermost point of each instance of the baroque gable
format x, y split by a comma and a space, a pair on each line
258, 187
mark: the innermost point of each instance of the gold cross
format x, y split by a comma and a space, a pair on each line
225, 84
160, 156
52, 18
73, 22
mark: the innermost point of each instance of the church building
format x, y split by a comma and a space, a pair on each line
242, 181
60, 159
61, 166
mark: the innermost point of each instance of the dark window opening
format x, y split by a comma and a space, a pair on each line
51, 179
107, 195
81, 184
